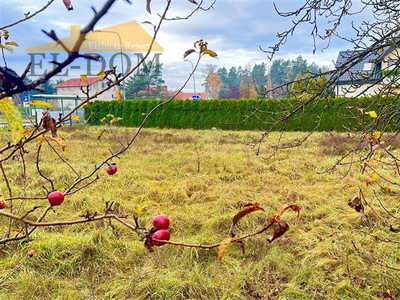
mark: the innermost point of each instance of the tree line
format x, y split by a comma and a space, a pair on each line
252, 82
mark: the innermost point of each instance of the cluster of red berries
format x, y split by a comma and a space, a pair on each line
159, 230
56, 198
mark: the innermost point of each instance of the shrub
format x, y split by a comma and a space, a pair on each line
231, 114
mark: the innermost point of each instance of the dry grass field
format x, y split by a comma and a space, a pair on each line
200, 179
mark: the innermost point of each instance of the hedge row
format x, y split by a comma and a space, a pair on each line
330, 114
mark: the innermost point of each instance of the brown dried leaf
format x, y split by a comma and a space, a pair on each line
148, 22
222, 247
49, 123
357, 204
149, 245
279, 229
148, 6
188, 52
248, 208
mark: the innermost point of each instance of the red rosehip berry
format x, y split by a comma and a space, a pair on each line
161, 222
112, 169
2, 205
55, 198
162, 234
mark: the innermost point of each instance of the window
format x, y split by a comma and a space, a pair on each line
392, 64
367, 66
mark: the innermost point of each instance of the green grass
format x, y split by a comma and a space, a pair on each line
313, 260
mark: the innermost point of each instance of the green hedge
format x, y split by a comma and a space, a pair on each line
330, 114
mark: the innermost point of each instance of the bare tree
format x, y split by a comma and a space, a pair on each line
45, 134
370, 68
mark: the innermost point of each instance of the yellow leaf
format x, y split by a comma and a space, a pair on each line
115, 120
84, 78
139, 209
40, 103
377, 134
374, 177
13, 117
118, 95
11, 43
372, 114
76, 118
61, 142
101, 74
11, 50
39, 140
222, 247
100, 134
210, 52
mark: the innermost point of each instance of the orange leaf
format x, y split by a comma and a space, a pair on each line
285, 207
32, 253
222, 247
274, 218
248, 208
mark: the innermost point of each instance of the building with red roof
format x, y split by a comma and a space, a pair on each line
74, 87
190, 96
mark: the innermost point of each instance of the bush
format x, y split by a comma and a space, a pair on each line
232, 114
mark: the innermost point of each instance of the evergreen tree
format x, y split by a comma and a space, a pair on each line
259, 75
147, 83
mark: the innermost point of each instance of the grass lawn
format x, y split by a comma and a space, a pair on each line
313, 260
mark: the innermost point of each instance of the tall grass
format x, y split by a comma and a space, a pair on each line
199, 179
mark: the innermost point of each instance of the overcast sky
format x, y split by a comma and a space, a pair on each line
234, 29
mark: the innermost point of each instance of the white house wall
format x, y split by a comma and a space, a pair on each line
94, 88
347, 90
